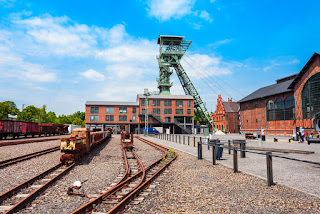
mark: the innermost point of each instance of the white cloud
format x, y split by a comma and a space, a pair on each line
167, 9
220, 42
7, 3
280, 61
14, 66
59, 35
93, 75
206, 16
201, 66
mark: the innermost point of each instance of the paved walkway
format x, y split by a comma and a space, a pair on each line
302, 176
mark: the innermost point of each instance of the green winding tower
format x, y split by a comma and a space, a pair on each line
172, 48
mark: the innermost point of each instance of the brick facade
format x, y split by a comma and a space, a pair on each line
226, 116
162, 111
253, 112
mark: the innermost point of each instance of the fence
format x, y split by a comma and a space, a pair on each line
215, 144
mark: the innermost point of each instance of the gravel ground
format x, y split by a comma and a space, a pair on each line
195, 186
302, 176
146, 153
17, 173
100, 169
7, 152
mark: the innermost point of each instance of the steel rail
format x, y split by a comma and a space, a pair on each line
89, 206
21, 204
11, 161
121, 205
27, 141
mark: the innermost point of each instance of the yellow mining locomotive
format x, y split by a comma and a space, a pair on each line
81, 142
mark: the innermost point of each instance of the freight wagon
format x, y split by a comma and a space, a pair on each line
18, 128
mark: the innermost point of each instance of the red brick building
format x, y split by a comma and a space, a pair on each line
284, 107
226, 116
174, 112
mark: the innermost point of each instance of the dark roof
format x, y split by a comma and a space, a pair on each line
168, 39
231, 106
112, 103
270, 90
303, 70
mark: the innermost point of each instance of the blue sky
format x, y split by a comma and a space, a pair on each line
63, 53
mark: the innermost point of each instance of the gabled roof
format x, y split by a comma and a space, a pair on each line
270, 90
304, 69
230, 106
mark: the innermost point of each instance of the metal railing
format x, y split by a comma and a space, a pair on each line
236, 143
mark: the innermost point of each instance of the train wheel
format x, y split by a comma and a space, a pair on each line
13, 136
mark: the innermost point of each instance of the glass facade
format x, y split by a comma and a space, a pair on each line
109, 118
179, 103
311, 97
167, 103
94, 110
156, 102
109, 110
94, 118
281, 109
122, 110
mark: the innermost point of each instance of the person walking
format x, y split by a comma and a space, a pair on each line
299, 137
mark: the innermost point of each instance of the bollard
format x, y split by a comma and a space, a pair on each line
199, 150
188, 140
179, 138
235, 161
229, 147
214, 158
269, 168
183, 139
194, 141
176, 139
208, 144
243, 147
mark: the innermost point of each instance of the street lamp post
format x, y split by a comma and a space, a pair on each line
22, 112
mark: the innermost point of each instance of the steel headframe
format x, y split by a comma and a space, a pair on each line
172, 48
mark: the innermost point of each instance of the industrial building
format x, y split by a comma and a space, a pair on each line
292, 104
173, 112
226, 116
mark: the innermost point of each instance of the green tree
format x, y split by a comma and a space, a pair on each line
63, 119
51, 117
78, 114
8, 107
78, 122
30, 114
42, 114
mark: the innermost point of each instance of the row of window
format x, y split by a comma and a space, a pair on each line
111, 118
281, 109
167, 111
179, 103
123, 110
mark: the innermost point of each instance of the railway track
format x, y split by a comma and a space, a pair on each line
18, 197
23, 194
16, 142
116, 198
11, 161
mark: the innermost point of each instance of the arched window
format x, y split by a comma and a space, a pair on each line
279, 109
311, 97
270, 111
289, 110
